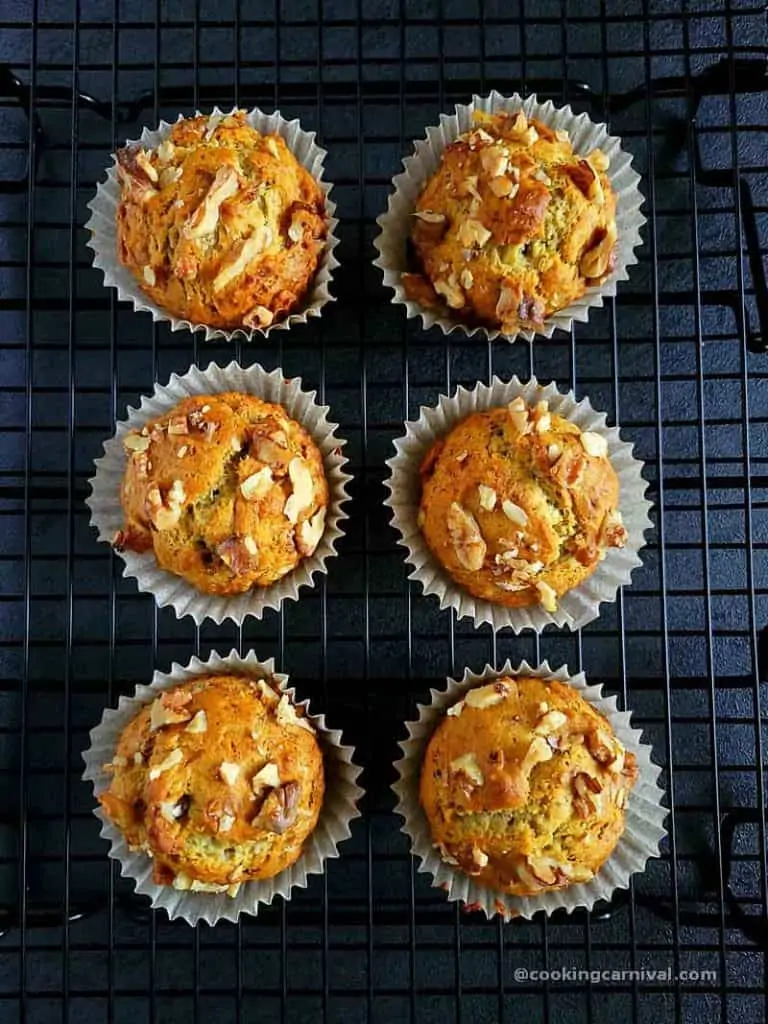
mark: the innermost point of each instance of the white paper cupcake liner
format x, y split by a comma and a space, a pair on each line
644, 822
585, 136
339, 803
578, 606
102, 225
170, 590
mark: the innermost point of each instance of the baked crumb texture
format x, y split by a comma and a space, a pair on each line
227, 490
219, 224
219, 780
513, 226
525, 785
519, 505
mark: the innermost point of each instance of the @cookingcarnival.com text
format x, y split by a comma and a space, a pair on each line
614, 976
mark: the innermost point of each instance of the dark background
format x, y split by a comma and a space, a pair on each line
671, 360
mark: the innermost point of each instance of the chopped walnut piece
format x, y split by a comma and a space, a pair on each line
259, 316
257, 484
468, 543
601, 745
467, 765
518, 413
136, 443
514, 513
550, 722
266, 778
520, 123
486, 497
251, 247
584, 785
199, 723
543, 869
598, 159
600, 259
279, 810
164, 515
594, 444
303, 494
613, 532
169, 709
445, 856
504, 188
468, 187
473, 234
178, 425
538, 751
309, 533
174, 758
149, 276
143, 161
206, 217
287, 714
235, 554
507, 303
430, 216
229, 772
494, 161
486, 696
547, 596
450, 292
466, 279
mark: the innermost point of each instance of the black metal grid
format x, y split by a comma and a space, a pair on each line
678, 360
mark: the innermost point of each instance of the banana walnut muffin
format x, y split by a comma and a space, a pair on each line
525, 785
519, 505
219, 780
219, 224
513, 226
226, 489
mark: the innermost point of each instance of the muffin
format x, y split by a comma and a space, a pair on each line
219, 780
513, 226
219, 224
226, 489
519, 505
524, 786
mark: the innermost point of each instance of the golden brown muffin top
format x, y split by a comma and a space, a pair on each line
513, 225
519, 505
220, 224
524, 785
227, 489
219, 779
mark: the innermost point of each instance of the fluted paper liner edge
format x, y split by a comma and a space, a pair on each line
102, 226
585, 136
170, 590
578, 606
644, 821
333, 826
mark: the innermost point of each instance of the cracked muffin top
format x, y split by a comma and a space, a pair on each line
519, 505
226, 489
220, 780
219, 224
513, 226
524, 785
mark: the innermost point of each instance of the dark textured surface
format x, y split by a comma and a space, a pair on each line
372, 941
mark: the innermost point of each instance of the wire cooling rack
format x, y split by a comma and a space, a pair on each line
679, 360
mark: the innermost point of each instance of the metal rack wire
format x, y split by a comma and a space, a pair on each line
678, 360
